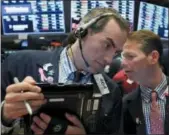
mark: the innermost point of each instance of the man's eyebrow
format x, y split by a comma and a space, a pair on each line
127, 53
111, 41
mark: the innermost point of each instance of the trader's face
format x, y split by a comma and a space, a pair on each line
136, 64
100, 48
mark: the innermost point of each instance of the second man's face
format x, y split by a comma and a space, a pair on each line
134, 61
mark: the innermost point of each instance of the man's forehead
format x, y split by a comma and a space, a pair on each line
114, 31
132, 45
131, 49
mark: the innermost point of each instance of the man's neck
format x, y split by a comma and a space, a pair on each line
76, 56
154, 78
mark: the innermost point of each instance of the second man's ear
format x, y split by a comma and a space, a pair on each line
154, 57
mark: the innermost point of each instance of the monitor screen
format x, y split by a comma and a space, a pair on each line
79, 8
32, 16
154, 18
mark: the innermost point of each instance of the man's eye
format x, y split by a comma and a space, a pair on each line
127, 56
130, 56
107, 46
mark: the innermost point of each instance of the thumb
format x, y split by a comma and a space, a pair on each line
29, 79
74, 120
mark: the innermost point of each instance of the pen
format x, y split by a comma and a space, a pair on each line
28, 107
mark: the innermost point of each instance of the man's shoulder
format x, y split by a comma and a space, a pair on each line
33, 55
131, 97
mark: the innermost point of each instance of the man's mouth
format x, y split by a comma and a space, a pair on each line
128, 71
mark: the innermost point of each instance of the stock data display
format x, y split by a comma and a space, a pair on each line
80, 7
32, 16
154, 18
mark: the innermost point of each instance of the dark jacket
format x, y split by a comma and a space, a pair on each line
132, 110
27, 63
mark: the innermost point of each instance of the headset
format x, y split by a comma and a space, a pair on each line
83, 30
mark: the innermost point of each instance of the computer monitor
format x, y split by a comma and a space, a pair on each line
32, 17
155, 18
79, 8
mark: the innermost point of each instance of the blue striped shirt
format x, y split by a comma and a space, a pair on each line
146, 94
66, 67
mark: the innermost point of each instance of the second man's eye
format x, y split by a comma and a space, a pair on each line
129, 56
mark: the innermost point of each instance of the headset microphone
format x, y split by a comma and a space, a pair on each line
80, 45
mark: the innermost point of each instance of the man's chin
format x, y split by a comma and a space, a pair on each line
95, 71
100, 70
133, 78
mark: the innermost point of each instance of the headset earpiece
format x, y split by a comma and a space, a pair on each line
81, 32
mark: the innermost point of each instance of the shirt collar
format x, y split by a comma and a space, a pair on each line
160, 89
67, 62
69, 65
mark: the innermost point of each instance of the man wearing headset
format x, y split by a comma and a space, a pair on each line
100, 37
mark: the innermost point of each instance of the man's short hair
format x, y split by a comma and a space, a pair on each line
101, 23
149, 41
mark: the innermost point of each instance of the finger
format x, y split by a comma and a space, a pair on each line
36, 130
46, 118
21, 105
14, 97
40, 123
37, 103
23, 86
74, 120
72, 130
14, 114
29, 79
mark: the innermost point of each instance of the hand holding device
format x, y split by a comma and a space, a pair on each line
14, 106
28, 107
45, 122
75, 99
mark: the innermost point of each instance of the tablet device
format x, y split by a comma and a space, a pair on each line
66, 98
75, 99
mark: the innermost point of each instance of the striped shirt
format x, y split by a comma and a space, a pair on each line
146, 94
66, 67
